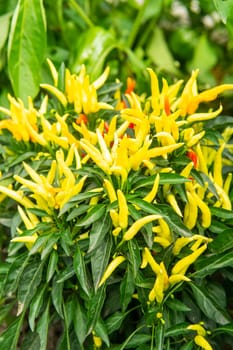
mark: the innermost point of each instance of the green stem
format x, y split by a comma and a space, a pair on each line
136, 25
81, 13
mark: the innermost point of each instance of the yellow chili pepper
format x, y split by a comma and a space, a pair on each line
174, 279
110, 190
57, 93
111, 268
164, 230
195, 139
97, 341
217, 171
155, 93
116, 231
157, 291
123, 209
224, 198
104, 149
202, 342
199, 117
161, 151
162, 241
182, 265
172, 201
202, 166
206, 213
149, 258
190, 212
18, 196
136, 226
151, 195
186, 171
115, 217
227, 183
198, 328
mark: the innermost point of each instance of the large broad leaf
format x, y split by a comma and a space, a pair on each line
26, 47
98, 231
209, 306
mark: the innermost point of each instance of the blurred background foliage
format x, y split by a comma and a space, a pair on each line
172, 37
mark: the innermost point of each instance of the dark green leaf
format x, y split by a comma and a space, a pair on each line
221, 213
222, 242
29, 282
114, 321
127, 288
227, 328
134, 256
98, 231
14, 273
175, 304
137, 340
93, 215
208, 306
26, 47
101, 331
53, 260
80, 270
9, 338
42, 328
178, 329
66, 274
159, 335
165, 178
35, 306
95, 305
76, 212
57, 296
207, 265
99, 261
80, 321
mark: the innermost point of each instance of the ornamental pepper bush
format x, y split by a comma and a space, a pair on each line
117, 208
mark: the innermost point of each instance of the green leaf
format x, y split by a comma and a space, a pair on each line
53, 260
164, 178
95, 305
227, 328
91, 49
101, 331
178, 329
29, 282
137, 340
158, 51
80, 321
4, 24
77, 212
167, 213
98, 232
35, 306
222, 242
42, 328
221, 213
9, 338
114, 321
224, 8
99, 261
127, 288
208, 306
207, 265
26, 47
175, 304
134, 256
57, 296
15, 272
80, 270
93, 215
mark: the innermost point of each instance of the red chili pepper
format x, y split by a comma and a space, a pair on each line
193, 156
82, 118
131, 125
167, 105
131, 83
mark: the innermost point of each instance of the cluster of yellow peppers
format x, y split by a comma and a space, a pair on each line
139, 133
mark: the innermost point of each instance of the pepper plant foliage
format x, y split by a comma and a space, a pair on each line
119, 211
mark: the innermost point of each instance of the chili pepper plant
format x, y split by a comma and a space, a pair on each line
118, 210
